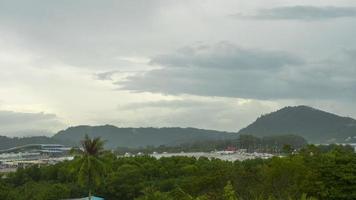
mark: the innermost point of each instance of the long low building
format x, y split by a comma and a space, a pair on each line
32, 154
52, 149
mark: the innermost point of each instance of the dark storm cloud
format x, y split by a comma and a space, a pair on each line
256, 74
303, 13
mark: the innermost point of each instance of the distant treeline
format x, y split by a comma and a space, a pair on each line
268, 144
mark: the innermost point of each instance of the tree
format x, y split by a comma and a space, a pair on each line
125, 182
91, 165
179, 194
305, 197
287, 149
153, 194
229, 193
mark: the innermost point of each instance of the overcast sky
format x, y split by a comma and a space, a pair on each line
191, 63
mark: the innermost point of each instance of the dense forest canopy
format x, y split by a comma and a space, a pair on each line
315, 125
141, 137
250, 143
325, 173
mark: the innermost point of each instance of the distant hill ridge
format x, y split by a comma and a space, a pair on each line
315, 125
141, 137
122, 137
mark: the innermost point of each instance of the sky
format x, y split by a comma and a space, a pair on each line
161, 63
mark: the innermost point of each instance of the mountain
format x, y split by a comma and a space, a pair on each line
315, 125
140, 137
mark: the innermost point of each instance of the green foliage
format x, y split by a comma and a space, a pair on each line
315, 125
92, 168
287, 149
323, 175
305, 197
140, 137
38, 191
268, 144
151, 194
229, 193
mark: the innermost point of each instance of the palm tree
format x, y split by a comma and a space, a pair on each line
91, 166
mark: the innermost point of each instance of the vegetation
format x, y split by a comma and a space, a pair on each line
141, 137
126, 137
315, 125
268, 144
313, 173
91, 166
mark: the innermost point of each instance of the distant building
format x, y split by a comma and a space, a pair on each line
230, 148
54, 149
47, 149
32, 154
353, 145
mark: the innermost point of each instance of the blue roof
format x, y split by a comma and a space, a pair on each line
94, 198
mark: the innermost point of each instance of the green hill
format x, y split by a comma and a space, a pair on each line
315, 125
141, 137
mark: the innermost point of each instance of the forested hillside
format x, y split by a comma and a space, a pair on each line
141, 137
315, 125
122, 137
267, 144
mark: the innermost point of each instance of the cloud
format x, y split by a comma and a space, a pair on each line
20, 123
86, 34
250, 74
307, 13
10, 117
163, 104
54, 54
203, 112
226, 56
105, 75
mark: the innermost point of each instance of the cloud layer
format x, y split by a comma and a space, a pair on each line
226, 56
227, 70
191, 111
81, 59
303, 13
20, 123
